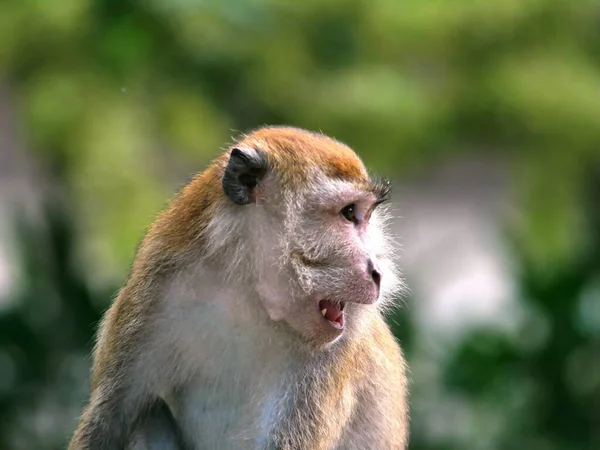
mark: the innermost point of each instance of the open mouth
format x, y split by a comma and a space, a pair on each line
333, 312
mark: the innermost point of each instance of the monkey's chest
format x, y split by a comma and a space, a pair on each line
230, 415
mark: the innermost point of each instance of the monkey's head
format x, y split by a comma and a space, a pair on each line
299, 213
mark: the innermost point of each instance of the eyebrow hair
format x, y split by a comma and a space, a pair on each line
382, 189
379, 186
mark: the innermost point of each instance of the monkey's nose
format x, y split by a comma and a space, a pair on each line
374, 271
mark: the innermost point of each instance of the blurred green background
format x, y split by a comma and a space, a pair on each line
484, 113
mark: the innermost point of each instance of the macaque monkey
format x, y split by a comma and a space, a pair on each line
253, 314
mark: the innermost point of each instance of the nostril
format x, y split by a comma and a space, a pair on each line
374, 273
376, 277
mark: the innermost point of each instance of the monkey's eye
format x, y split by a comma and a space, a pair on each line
349, 213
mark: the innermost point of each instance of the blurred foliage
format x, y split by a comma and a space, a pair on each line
110, 85
122, 99
51, 324
539, 387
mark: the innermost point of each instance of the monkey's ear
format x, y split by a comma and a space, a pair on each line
245, 169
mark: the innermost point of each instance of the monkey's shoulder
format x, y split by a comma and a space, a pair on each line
381, 401
380, 345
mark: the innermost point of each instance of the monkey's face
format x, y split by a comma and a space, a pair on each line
321, 259
335, 258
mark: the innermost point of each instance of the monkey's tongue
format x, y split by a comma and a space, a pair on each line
333, 312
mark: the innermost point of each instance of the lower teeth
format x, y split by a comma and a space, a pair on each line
335, 324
